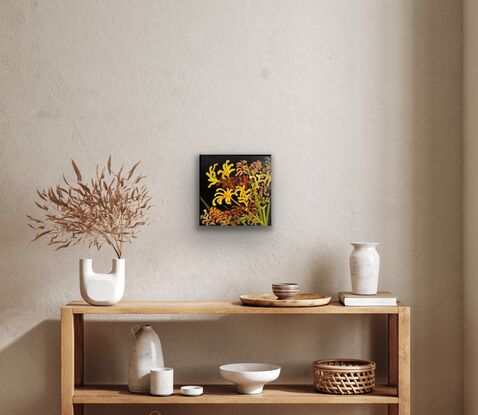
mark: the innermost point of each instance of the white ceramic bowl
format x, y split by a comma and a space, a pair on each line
191, 390
250, 378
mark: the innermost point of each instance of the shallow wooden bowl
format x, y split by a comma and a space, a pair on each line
299, 300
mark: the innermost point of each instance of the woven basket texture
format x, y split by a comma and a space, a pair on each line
344, 376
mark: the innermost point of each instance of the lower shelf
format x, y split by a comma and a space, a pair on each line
226, 394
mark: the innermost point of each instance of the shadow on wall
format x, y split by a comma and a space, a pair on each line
240, 410
435, 275
35, 358
196, 347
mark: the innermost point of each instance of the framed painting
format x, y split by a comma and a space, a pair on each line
235, 190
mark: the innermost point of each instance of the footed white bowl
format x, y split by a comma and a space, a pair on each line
250, 378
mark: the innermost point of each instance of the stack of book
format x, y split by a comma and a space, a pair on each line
381, 299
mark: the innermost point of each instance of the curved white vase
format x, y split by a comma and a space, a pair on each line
102, 289
146, 353
364, 268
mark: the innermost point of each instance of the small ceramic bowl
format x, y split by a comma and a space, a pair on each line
286, 285
285, 290
191, 390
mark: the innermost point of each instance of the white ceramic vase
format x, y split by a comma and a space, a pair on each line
146, 354
364, 268
102, 289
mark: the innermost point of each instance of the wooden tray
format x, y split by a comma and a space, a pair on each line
299, 300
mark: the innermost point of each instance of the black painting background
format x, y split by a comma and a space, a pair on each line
206, 160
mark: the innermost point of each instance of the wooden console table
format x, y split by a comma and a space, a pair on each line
74, 394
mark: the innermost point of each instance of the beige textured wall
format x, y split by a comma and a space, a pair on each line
359, 103
470, 205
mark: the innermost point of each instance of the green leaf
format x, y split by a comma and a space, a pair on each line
205, 204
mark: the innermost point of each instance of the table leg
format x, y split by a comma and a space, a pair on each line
404, 360
67, 361
71, 360
393, 357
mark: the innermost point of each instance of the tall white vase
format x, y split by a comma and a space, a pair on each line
364, 268
146, 354
102, 289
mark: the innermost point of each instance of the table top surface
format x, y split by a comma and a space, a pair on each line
220, 307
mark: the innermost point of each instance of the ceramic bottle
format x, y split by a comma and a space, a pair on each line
364, 268
102, 289
146, 353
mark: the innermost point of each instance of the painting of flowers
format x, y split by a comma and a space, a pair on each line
235, 190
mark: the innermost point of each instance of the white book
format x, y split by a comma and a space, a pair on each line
382, 298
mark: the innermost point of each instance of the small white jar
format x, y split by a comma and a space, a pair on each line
162, 381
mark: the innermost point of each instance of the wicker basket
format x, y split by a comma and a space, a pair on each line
344, 376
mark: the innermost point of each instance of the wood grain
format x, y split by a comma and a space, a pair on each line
393, 357
226, 394
404, 360
299, 300
74, 396
217, 307
67, 362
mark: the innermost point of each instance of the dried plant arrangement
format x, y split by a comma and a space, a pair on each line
109, 208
